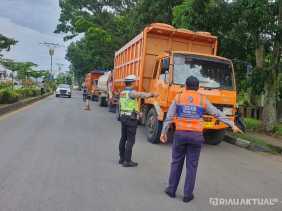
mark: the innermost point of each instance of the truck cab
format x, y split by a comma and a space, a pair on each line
217, 82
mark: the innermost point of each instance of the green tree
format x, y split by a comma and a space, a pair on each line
64, 78
106, 25
249, 31
10, 65
6, 43
24, 70
37, 74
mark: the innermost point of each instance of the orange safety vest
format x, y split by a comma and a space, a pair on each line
190, 106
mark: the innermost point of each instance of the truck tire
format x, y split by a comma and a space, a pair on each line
153, 126
214, 137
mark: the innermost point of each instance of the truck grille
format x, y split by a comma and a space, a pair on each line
63, 92
220, 107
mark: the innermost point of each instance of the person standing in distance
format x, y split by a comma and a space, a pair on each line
186, 112
128, 110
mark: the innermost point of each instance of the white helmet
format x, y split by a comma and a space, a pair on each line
130, 78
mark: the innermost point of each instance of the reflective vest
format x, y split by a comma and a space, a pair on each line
127, 105
190, 107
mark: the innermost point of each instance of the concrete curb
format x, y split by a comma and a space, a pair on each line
246, 144
20, 104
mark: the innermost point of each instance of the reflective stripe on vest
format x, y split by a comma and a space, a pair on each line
190, 107
127, 104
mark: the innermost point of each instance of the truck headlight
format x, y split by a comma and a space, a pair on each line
227, 111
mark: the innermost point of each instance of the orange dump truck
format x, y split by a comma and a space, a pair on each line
91, 81
162, 57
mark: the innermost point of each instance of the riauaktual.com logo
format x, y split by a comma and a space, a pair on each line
243, 201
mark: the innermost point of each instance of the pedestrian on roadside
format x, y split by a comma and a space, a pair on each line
186, 112
84, 93
128, 110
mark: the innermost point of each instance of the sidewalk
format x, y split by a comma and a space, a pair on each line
275, 141
256, 142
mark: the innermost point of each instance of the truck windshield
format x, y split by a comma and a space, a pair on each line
212, 73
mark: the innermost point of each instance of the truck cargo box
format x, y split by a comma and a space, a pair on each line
138, 57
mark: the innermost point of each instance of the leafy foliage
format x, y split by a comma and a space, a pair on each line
249, 32
106, 25
253, 124
9, 95
6, 43
64, 78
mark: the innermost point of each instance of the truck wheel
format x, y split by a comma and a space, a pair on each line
214, 137
153, 127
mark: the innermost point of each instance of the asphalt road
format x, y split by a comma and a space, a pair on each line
56, 156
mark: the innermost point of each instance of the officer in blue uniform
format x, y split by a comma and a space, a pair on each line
186, 113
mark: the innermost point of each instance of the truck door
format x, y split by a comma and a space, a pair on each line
164, 81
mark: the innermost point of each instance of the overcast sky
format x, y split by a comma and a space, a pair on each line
31, 22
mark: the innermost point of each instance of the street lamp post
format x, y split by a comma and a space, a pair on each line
51, 53
51, 47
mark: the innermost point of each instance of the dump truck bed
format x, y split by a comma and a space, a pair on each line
138, 56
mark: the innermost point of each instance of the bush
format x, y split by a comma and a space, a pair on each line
278, 129
8, 96
5, 85
252, 124
28, 92
11, 96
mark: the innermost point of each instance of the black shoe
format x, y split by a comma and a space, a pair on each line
120, 161
171, 195
129, 164
187, 199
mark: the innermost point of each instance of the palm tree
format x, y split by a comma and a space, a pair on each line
11, 65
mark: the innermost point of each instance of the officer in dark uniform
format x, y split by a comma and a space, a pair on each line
186, 113
128, 108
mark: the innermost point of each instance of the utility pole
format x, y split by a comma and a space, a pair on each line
51, 47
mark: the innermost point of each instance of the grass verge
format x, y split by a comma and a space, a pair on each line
259, 142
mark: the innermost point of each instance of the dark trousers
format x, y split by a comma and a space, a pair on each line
84, 97
185, 146
127, 140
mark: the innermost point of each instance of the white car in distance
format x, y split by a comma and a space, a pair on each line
63, 90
